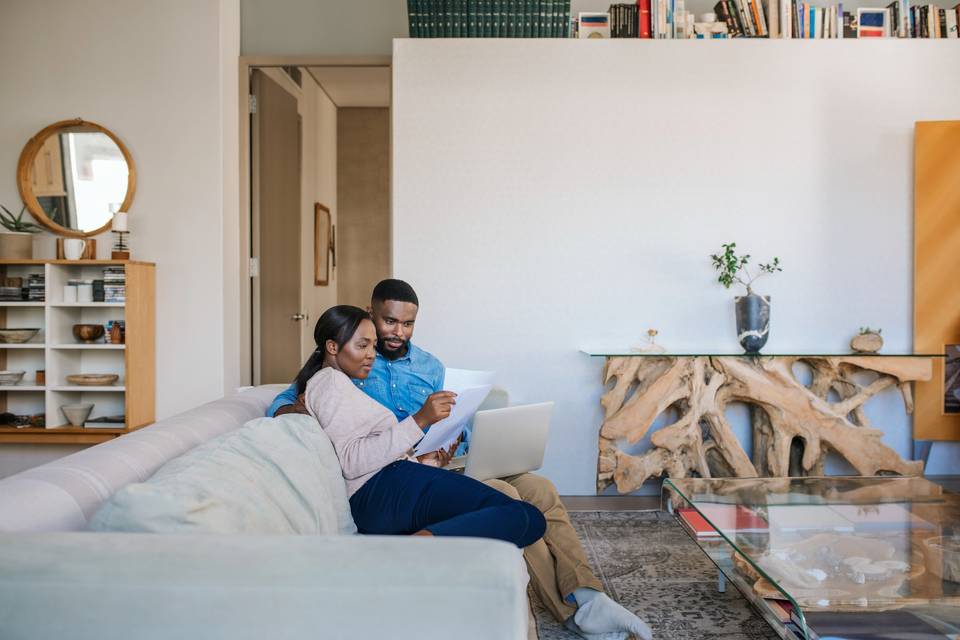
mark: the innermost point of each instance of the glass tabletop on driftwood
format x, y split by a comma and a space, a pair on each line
859, 557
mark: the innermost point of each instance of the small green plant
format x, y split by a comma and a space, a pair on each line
865, 330
16, 223
733, 268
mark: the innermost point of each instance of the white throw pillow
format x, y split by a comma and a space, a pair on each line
273, 475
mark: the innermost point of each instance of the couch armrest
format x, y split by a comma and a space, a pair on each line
111, 585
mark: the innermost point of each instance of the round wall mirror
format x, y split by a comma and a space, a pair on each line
74, 175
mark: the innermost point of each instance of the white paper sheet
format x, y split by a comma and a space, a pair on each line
457, 380
443, 433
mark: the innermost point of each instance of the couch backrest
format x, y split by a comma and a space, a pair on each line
64, 494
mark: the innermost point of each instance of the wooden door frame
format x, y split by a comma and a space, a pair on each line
245, 210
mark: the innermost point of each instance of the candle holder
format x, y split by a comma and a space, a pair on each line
121, 250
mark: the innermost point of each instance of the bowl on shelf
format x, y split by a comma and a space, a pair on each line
76, 414
17, 336
88, 333
11, 377
93, 379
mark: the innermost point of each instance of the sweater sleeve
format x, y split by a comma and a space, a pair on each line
365, 436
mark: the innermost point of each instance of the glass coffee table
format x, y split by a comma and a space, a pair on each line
835, 557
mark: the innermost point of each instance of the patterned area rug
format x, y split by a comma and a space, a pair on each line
649, 565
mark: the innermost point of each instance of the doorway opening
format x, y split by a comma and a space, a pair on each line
315, 202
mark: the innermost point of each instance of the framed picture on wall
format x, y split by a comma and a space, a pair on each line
322, 241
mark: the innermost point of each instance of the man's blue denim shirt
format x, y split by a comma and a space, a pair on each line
400, 385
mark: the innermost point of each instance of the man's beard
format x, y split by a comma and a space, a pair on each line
391, 354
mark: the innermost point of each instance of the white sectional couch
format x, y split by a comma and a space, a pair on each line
58, 580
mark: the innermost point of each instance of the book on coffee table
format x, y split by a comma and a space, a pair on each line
729, 518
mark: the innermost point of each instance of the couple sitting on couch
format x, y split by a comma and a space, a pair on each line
375, 394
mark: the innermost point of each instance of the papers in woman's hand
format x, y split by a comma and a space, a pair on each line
443, 433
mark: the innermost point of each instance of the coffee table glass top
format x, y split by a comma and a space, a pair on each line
628, 352
836, 547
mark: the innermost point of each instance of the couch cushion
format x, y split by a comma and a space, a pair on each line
274, 475
64, 494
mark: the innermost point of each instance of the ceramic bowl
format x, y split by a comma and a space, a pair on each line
76, 414
11, 377
17, 336
93, 379
88, 332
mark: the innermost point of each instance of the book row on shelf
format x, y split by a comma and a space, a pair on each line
786, 19
489, 18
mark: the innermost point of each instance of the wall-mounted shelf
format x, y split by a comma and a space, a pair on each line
56, 353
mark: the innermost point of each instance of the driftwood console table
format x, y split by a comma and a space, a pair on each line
794, 425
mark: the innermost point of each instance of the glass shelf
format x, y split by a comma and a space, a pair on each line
610, 353
831, 546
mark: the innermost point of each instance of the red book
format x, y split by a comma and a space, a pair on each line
643, 18
728, 517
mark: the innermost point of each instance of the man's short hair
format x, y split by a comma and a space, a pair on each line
391, 289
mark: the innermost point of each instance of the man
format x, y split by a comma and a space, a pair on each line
408, 380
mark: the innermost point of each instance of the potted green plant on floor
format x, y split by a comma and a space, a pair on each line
17, 242
752, 310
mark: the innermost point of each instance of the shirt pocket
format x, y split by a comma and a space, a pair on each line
417, 394
373, 388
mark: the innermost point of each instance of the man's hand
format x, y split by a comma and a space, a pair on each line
298, 407
436, 408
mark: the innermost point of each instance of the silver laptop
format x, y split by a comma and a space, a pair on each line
505, 442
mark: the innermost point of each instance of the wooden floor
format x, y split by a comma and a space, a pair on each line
646, 503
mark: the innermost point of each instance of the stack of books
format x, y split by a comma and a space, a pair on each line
36, 287
489, 18
729, 518
114, 284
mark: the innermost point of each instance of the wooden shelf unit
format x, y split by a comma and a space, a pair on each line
56, 352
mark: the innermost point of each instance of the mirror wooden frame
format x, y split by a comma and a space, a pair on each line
25, 168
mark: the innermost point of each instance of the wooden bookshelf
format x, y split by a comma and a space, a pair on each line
55, 351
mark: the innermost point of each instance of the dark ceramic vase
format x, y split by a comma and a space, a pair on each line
753, 321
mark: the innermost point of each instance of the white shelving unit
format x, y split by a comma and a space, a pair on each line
55, 351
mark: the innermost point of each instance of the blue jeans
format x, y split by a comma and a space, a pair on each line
406, 497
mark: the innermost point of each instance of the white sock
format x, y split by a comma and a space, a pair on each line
597, 613
613, 635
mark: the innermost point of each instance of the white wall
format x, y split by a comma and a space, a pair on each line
321, 27
163, 76
573, 200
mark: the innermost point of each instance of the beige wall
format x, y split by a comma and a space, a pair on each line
363, 183
320, 171
163, 76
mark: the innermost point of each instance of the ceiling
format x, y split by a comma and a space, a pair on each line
355, 86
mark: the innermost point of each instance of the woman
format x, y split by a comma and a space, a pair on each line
390, 492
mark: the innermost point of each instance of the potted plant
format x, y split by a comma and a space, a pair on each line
17, 242
753, 311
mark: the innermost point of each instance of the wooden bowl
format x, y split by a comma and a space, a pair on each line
88, 332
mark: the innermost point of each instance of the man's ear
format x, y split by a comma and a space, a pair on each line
370, 309
331, 348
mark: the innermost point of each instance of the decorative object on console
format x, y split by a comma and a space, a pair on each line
88, 333
93, 379
121, 251
753, 311
97, 158
650, 346
76, 414
41, 377
873, 23
867, 341
116, 332
784, 412
17, 336
106, 422
9, 378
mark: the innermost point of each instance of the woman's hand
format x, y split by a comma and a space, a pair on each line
298, 407
436, 408
439, 458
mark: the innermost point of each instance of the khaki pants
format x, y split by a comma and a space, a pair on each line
557, 563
